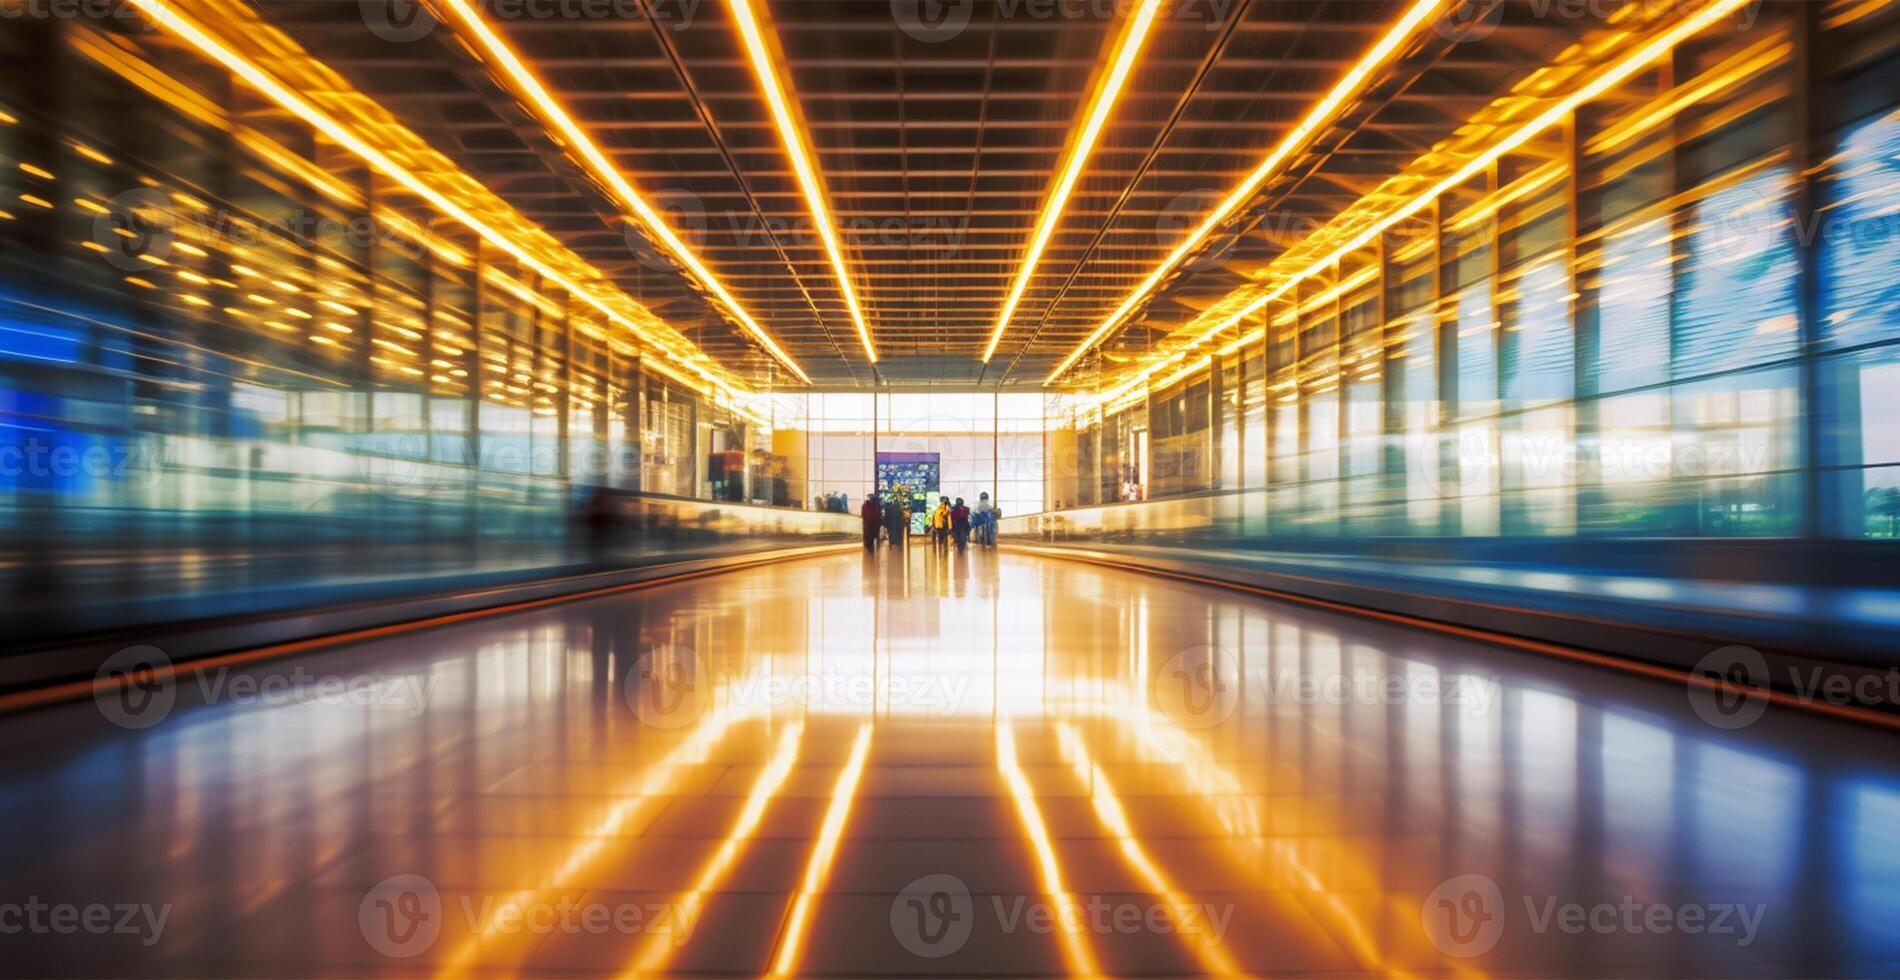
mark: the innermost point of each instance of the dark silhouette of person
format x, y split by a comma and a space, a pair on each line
873, 514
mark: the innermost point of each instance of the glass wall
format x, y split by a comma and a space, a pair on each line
235, 365
1674, 315
987, 442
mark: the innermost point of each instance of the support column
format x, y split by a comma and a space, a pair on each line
564, 398
472, 426
1804, 157
1583, 420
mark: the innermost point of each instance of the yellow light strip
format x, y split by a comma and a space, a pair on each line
603, 169
1534, 181
660, 946
1108, 810
1074, 947
1348, 86
1615, 75
802, 163
165, 15
1747, 63
1128, 48
823, 853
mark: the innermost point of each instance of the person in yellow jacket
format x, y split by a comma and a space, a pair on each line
940, 521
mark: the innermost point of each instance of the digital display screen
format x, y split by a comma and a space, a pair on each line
918, 474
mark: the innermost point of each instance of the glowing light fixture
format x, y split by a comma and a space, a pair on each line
1349, 85
802, 163
1128, 47
603, 169
823, 853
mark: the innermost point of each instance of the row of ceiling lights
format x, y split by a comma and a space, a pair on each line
1123, 53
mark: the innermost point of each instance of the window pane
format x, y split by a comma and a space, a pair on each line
1736, 306
1860, 258
1633, 308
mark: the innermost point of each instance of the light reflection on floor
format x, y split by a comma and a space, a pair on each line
878, 766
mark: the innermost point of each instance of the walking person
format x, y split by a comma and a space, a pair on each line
986, 514
872, 513
940, 522
960, 524
896, 522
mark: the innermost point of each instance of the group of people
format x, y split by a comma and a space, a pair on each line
836, 503
949, 522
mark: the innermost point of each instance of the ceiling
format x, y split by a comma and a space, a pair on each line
938, 127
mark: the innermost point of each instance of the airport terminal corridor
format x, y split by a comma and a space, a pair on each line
868, 488
908, 762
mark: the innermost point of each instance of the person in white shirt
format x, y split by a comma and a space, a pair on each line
986, 516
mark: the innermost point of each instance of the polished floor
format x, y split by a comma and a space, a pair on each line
939, 763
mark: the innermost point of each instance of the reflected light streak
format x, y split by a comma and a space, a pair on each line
603, 169
661, 945
824, 852
1194, 762
802, 164
1615, 75
1074, 946
650, 791
1108, 809
1347, 87
1128, 48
